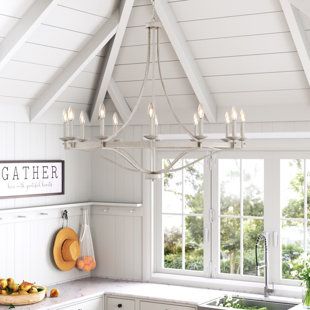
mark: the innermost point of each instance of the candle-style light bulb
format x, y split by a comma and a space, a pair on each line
101, 111
70, 114
156, 125
234, 115
242, 117
66, 124
115, 122
201, 114
152, 116
82, 123
200, 111
151, 110
101, 117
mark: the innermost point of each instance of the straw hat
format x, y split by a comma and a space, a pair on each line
66, 249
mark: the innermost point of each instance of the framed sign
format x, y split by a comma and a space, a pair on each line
31, 178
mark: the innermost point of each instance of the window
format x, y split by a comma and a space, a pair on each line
182, 217
209, 221
241, 200
295, 198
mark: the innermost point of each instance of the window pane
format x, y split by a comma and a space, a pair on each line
292, 236
172, 191
292, 188
229, 185
193, 187
172, 228
230, 245
253, 187
194, 243
252, 228
308, 187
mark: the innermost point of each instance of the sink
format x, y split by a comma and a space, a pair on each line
246, 303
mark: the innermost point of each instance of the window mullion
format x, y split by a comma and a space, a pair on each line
183, 221
305, 206
241, 217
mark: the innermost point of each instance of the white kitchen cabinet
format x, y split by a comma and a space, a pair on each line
93, 304
117, 303
150, 305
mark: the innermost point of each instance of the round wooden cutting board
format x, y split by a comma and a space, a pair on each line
21, 300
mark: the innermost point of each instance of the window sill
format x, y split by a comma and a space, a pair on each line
227, 285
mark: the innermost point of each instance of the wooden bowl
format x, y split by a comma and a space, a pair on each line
21, 300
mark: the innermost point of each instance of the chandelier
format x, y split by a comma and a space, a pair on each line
195, 142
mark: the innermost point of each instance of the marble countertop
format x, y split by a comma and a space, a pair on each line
80, 290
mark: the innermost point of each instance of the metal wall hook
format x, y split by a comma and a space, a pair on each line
65, 219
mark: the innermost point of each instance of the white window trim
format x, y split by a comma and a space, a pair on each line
271, 202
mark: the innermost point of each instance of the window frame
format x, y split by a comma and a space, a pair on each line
272, 211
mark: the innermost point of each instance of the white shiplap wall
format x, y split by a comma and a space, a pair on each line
22, 141
27, 242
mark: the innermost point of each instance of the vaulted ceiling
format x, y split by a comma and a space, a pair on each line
249, 53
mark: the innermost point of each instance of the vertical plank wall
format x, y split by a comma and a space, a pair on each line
27, 243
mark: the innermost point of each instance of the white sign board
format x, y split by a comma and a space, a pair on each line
31, 178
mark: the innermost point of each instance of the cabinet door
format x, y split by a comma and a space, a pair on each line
115, 303
146, 305
94, 304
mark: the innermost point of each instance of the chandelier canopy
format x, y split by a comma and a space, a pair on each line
195, 141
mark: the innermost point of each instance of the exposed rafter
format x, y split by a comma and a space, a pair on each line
298, 33
119, 101
302, 5
81, 60
24, 29
108, 66
186, 58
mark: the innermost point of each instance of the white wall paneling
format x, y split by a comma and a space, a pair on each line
28, 245
118, 243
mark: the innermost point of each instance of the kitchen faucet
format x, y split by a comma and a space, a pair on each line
262, 237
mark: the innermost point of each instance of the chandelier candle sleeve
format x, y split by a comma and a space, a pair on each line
71, 119
242, 117
82, 124
156, 125
234, 117
66, 124
227, 120
196, 124
101, 119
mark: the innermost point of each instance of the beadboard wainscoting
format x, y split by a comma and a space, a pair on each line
23, 141
117, 236
27, 243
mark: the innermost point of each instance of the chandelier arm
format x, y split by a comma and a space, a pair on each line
166, 94
129, 159
171, 164
147, 69
119, 165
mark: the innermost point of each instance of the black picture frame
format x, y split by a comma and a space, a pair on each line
62, 192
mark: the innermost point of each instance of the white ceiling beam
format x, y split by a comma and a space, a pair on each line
81, 60
24, 29
181, 48
119, 101
302, 5
111, 57
298, 33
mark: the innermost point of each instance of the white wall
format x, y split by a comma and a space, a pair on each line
22, 141
27, 243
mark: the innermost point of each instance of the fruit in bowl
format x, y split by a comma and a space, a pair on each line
26, 293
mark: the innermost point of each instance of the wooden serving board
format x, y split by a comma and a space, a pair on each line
21, 300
